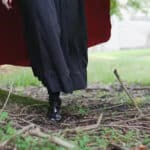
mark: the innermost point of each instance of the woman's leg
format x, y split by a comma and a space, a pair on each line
42, 34
55, 106
54, 31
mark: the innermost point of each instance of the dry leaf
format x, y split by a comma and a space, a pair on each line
140, 147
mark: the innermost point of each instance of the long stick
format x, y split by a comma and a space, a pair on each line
89, 127
127, 92
6, 101
37, 132
20, 132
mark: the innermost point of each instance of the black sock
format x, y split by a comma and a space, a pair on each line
53, 95
54, 99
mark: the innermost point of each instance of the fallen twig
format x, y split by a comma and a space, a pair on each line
6, 101
141, 88
37, 132
134, 119
86, 128
21, 131
115, 147
126, 126
127, 92
107, 89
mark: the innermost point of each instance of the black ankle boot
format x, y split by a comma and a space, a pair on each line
54, 109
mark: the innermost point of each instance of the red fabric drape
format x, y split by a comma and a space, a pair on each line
12, 45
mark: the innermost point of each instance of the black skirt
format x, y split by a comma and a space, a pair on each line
56, 36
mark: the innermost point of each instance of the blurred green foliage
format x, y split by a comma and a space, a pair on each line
136, 5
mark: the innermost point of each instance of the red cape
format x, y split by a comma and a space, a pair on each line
13, 49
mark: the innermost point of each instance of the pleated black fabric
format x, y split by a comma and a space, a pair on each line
56, 36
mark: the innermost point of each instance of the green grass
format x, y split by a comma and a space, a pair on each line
83, 140
21, 77
133, 66
7, 132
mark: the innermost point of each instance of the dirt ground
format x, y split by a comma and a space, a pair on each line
83, 108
